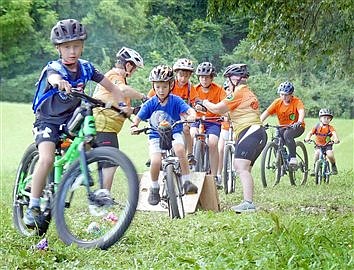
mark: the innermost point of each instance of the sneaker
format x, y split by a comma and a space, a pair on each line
189, 188
245, 206
334, 170
293, 162
154, 196
101, 197
191, 160
218, 182
32, 217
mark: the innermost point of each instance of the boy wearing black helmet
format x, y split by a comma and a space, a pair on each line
324, 133
53, 107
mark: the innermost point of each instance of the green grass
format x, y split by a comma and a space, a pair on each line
306, 227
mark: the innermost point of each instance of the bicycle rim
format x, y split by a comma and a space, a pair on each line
270, 167
228, 170
174, 194
78, 220
299, 175
21, 194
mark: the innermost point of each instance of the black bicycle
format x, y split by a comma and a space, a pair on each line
275, 163
74, 193
229, 172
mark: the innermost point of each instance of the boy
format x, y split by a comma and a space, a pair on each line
57, 108
324, 132
170, 108
208, 90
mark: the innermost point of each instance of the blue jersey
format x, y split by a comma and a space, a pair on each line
153, 111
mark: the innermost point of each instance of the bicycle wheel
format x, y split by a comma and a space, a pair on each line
22, 192
299, 175
174, 194
270, 165
326, 172
318, 172
87, 220
229, 174
199, 153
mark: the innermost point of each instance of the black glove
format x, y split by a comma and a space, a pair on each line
296, 125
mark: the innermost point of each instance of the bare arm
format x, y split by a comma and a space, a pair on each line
218, 108
190, 115
301, 115
57, 80
335, 137
264, 115
114, 89
130, 92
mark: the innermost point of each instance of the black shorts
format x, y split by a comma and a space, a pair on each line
45, 132
107, 139
250, 147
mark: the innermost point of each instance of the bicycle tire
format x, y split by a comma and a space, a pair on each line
21, 198
270, 165
173, 190
318, 172
299, 175
75, 221
229, 173
326, 172
199, 153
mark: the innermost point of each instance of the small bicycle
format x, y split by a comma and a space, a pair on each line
322, 166
72, 194
229, 173
275, 163
172, 191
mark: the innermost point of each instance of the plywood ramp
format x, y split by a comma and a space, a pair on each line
207, 197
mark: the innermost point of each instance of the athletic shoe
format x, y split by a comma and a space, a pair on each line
154, 196
334, 170
189, 188
32, 217
245, 206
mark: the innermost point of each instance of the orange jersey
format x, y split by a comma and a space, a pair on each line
244, 109
287, 114
215, 94
187, 92
323, 133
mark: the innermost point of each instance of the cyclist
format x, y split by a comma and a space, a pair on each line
183, 69
224, 135
171, 108
290, 111
249, 134
324, 133
208, 90
69, 71
108, 122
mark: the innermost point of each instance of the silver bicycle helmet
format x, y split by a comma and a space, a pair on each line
205, 69
286, 88
161, 73
129, 55
236, 70
324, 112
67, 30
183, 64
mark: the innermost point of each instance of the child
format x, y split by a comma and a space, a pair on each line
170, 108
108, 122
57, 108
290, 111
208, 90
324, 132
183, 69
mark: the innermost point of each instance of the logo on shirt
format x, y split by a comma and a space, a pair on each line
292, 116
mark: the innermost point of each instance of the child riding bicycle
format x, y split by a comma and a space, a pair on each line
324, 133
171, 108
290, 111
55, 107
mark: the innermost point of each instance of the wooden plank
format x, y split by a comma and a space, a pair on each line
209, 198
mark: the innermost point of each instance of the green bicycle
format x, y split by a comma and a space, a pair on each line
84, 215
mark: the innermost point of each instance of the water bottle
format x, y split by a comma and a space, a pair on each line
75, 122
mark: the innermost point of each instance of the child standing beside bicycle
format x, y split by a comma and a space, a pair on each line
53, 107
169, 107
324, 133
290, 112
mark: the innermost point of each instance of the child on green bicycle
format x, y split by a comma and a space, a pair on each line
55, 107
324, 132
171, 108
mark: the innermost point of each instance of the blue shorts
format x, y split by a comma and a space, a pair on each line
210, 128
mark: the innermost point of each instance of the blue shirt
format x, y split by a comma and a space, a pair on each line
171, 112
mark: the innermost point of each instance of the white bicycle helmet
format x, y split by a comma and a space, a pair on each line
183, 64
161, 73
324, 112
205, 69
129, 55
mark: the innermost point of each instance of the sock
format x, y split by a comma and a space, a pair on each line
34, 202
186, 177
155, 184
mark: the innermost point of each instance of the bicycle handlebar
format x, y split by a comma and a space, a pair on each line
266, 126
327, 143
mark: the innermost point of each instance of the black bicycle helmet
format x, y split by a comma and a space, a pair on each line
236, 70
324, 112
67, 30
183, 64
205, 69
286, 88
129, 55
161, 73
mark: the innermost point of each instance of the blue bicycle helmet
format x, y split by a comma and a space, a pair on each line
286, 88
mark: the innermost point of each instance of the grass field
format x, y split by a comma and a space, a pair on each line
306, 227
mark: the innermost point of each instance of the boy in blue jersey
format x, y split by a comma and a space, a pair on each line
57, 108
165, 106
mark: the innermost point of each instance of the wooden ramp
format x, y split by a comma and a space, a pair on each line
207, 197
